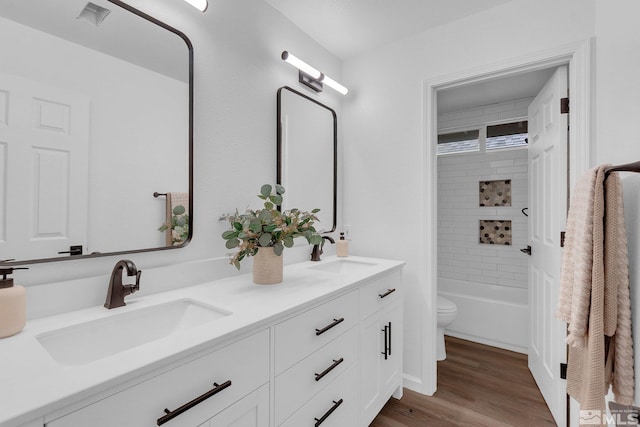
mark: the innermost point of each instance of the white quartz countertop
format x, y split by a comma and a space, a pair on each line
33, 384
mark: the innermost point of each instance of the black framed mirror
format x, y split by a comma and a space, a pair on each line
307, 155
96, 115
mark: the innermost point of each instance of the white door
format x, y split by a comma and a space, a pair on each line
44, 147
547, 209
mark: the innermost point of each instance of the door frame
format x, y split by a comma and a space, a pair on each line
578, 56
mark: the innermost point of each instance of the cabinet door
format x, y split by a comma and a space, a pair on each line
391, 366
250, 411
371, 347
380, 359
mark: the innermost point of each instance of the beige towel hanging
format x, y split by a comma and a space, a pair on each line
594, 293
173, 200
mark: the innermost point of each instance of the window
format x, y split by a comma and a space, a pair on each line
486, 138
507, 135
459, 142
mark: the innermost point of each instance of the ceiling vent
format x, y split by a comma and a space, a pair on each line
94, 14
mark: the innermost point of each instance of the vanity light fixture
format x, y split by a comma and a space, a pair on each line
311, 77
201, 5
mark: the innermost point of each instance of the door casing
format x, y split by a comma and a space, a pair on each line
578, 56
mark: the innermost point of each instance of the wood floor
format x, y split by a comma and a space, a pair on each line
478, 385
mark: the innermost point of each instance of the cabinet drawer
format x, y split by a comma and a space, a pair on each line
298, 384
379, 294
340, 395
301, 335
244, 363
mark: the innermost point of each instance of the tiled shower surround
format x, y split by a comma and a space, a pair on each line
461, 256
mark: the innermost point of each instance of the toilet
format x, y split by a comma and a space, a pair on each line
447, 311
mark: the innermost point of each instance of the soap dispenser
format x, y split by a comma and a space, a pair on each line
342, 246
13, 305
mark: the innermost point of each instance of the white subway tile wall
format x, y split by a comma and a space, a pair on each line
460, 255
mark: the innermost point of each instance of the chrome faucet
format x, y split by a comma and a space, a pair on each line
118, 290
317, 249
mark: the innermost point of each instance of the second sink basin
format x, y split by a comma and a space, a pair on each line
96, 339
343, 266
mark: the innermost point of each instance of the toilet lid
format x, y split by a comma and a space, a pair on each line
445, 304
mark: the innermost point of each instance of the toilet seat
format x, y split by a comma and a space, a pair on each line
445, 305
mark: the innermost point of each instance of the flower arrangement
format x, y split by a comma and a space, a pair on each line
268, 227
179, 225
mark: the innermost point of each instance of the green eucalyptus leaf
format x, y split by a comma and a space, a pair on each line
265, 240
268, 205
237, 225
264, 215
236, 263
276, 199
270, 228
315, 239
316, 210
232, 243
230, 234
255, 225
279, 189
163, 227
265, 190
288, 241
181, 221
278, 248
179, 210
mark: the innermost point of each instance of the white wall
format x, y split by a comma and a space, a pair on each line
238, 70
617, 111
383, 135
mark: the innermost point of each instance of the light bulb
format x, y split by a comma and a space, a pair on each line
334, 85
201, 5
301, 65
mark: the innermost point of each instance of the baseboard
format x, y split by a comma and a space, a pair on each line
485, 341
412, 383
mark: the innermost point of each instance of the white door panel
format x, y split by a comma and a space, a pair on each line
547, 207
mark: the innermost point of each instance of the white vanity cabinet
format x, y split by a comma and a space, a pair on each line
238, 370
324, 349
380, 344
250, 411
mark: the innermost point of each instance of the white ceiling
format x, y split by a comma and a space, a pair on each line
122, 34
348, 28
493, 91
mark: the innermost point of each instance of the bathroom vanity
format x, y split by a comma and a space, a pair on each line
322, 348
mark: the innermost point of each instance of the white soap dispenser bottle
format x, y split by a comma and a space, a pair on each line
13, 305
342, 246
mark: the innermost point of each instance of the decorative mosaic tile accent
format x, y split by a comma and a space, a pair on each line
494, 232
495, 193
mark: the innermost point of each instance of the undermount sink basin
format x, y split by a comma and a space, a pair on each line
343, 266
96, 339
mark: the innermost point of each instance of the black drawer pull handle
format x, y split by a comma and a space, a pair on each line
389, 292
217, 388
329, 326
390, 339
329, 369
386, 342
329, 412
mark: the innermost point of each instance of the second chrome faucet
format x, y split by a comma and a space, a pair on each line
118, 290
